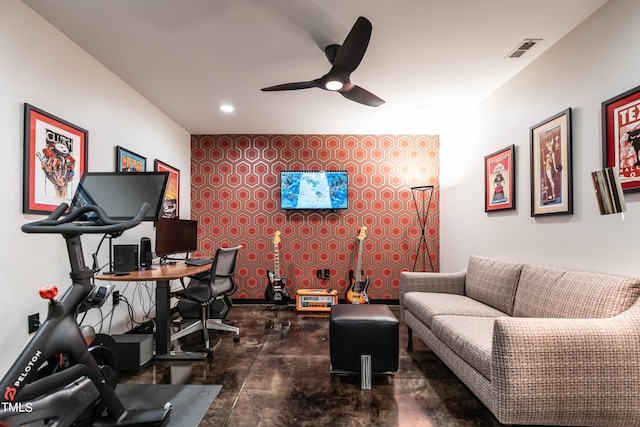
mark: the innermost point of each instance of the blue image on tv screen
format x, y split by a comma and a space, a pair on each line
313, 189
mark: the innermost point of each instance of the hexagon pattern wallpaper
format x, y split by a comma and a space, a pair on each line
235, 197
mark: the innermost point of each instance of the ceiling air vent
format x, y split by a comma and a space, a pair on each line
523, 47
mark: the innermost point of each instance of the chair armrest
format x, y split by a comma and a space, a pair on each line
449, 283
567, 371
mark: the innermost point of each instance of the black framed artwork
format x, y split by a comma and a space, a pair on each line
128, 161
551, 166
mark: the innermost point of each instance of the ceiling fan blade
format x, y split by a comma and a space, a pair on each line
291, 86
355, 45
357, 94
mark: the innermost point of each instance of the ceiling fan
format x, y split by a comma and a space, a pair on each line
344, 60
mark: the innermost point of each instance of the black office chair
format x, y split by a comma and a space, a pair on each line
216, 285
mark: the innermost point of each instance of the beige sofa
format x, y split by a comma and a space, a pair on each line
536, 344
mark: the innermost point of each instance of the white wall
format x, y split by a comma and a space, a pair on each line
40, 66
595, 62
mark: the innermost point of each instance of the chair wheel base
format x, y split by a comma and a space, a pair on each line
236, 338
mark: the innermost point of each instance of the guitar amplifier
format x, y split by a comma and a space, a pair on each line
315, 299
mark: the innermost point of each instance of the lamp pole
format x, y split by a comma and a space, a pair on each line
422, 200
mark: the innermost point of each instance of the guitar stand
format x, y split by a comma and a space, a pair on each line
274, 323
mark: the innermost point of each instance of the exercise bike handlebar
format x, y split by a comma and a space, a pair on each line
56, 223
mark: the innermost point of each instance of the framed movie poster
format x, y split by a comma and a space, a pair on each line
170, 203
55, 157
621, 137
499, 180
551, 168
128, 161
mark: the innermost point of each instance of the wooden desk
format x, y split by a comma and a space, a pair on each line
162, 275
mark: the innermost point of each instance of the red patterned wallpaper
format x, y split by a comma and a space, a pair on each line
235, 196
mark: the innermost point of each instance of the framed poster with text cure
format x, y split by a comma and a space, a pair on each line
55, 157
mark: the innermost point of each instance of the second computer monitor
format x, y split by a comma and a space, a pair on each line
176, 236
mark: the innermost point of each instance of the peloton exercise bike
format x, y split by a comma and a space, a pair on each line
66, 376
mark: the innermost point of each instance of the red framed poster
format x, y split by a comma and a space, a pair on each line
499, 180
55, 157
170, 203
621, 137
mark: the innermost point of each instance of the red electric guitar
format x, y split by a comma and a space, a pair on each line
357, 293
276, 292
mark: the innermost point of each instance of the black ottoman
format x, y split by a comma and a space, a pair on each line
363, 338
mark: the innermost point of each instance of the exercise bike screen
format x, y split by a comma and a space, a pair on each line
121, 194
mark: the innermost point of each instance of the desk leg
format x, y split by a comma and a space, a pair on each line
163, 327
163, 318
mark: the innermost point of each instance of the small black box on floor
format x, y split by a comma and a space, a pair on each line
360, 333
134, 350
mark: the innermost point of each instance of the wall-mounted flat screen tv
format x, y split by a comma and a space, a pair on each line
314, 189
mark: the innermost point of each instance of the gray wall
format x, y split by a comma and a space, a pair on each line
40, 66
595, 62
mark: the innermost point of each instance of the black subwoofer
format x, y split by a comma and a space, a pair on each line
125, 258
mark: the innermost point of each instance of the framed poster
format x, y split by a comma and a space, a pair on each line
55, 157
128, 161
551, 168
499, 180
170, 203
621, 138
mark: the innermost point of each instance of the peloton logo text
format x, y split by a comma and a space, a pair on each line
10, 392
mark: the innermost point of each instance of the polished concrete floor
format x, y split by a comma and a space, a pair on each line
278, 375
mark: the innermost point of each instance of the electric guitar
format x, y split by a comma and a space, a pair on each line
357, 292
276, 291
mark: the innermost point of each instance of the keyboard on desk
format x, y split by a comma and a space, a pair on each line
198, 261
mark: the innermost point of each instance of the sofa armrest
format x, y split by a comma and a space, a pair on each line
567, 371
449, 283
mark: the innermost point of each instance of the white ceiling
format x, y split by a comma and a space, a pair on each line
430, 60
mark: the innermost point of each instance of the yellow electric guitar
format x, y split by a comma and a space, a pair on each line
358, 282
276, 292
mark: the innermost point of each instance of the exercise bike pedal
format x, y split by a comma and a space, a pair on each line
139, 417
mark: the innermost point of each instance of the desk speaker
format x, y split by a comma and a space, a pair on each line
146, 256
125, 258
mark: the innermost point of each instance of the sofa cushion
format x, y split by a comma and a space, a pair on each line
563, 293
469, 337
426, 305
493, 282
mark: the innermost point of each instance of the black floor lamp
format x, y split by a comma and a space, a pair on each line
422, 199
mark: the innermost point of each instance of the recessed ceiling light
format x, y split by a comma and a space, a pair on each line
227, 108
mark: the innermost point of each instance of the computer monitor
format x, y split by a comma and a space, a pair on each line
175, 236
121, 194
